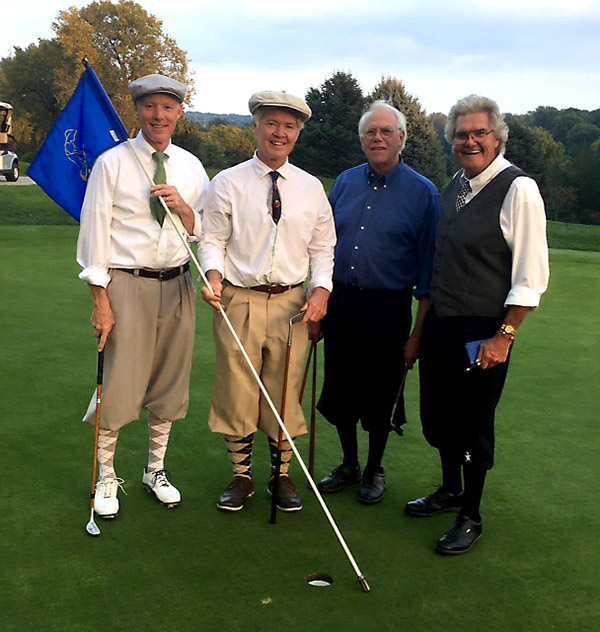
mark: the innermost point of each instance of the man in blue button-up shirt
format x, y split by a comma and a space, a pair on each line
385, 217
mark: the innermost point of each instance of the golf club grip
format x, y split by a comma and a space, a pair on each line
100, 374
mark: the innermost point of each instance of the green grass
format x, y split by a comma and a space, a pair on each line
196, 569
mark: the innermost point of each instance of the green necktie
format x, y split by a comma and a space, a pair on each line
160, 177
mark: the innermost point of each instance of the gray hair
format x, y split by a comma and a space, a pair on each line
262, 111
384, 105
475, 103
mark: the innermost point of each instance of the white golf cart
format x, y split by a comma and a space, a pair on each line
9, 163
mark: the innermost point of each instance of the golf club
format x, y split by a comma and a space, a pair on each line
263, 390
276, 474
91, 527
398, 427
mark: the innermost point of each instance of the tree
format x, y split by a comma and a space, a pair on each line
122, 42
329, 143
27, 82
535, 151
423, 150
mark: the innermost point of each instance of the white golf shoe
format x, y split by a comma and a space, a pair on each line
106, 503
158, 483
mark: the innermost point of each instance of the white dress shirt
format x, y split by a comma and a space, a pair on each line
523, 224
242, 242
117, 227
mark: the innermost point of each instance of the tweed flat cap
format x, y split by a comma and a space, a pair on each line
279, 100
157, 84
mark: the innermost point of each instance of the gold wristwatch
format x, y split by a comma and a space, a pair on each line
508, 330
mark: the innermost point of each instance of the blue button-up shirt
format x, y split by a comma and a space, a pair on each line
385, 228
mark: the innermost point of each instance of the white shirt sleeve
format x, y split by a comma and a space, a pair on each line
523, 224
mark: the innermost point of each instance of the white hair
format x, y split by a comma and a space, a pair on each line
384, 105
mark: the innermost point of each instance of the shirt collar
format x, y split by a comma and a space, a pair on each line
262, 169
388, 178
145, 148
491, 171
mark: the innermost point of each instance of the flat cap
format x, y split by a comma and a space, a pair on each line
279, 100
157, 84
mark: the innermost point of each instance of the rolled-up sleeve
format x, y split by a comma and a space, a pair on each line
321, 248
93, 245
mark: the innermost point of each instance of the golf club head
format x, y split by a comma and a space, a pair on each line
92, 528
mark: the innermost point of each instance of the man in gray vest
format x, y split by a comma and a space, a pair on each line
490, 269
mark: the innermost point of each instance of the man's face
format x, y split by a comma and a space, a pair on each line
158, 115
276, 135
475, 154
382, 141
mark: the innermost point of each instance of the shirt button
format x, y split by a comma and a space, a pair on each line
351, 267
374, 188
355, 247
385, 186
368, 208
362, 227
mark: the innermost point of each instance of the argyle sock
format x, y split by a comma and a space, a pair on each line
451, 472
240, 454
349, 442
474, 481
286, 456
159, 430
377, 442
107, 444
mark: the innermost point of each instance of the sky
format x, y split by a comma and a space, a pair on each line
522, 53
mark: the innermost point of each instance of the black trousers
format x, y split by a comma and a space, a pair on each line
458, 406
365, 334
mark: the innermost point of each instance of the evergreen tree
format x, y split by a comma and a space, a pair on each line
423, 150
329, 143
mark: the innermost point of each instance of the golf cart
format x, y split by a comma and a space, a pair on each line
9, 163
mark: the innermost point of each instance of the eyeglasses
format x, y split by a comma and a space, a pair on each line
477, 134
386, 132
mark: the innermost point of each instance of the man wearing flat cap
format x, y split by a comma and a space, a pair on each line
267, 228
137, 269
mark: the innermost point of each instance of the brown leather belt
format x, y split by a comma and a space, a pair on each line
274, 289
161, 275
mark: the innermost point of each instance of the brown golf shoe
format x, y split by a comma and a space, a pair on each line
287, 495
238, 491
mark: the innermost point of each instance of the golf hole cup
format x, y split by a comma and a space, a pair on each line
319, 579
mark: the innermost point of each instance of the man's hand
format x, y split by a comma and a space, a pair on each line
316, 307
411, 351
103, 319
213, 298
494, 351
176, 204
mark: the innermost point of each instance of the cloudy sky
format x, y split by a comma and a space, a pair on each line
523, 53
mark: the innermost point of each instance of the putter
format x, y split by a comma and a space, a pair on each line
288, 350
91, 527
338, 534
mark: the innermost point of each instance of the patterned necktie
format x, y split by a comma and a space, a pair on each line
461, 198
160, 177
275, 197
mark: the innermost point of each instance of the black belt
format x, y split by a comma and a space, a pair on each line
161, 275
274, 289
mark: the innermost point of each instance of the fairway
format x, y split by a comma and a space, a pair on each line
195, 569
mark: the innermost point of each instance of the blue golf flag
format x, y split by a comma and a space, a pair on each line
88, 125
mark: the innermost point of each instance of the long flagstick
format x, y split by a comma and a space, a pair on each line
360, 576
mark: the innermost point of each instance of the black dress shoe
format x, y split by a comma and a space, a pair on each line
461, 537
341, 477
437, 502
373, 488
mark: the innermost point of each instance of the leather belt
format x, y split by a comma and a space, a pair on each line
274, 289
161, 275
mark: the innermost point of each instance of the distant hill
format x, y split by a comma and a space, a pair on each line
205, 118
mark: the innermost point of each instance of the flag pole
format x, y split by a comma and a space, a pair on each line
361, 578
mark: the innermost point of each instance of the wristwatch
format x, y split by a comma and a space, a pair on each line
508, 330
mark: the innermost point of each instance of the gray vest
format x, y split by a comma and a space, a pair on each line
472, 264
